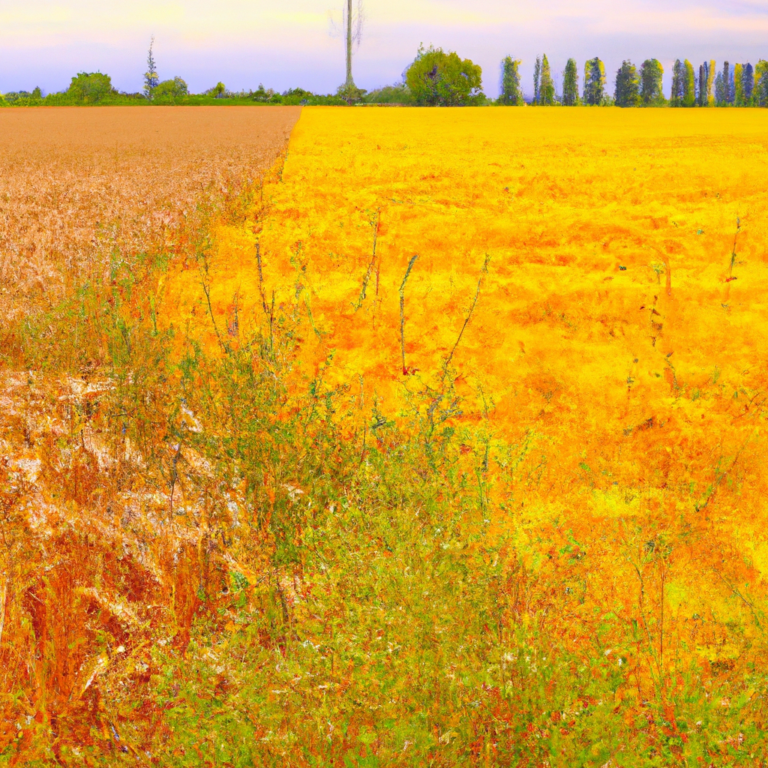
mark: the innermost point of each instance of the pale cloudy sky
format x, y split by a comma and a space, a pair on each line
287, 43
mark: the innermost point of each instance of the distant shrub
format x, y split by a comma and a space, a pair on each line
90, 88
219, 91
391, 94
170, 91
13, 96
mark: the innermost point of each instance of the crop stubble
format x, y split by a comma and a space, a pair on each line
84, 194
78, 184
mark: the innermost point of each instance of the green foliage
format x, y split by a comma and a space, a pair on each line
151, 79
721, 90
678, 75
391, 94
651, 73
219, 91
265, 95
90, 88
436, 78
571, 84
546, 84
748, 84
350, 93
627, 85
761, 83
536, 80
689, 85
511, 92
594, 82
170, 91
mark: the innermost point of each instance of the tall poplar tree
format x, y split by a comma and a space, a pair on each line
726, 87
546, 84
594, 82
571, 84
761, 83
537, 81
702, 89
511, 94
738, 85
627, 85
689, 85
721, 91
651, 74
748, 83
711, 73
151, 80
676, 94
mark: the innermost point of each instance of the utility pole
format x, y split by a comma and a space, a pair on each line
350, 82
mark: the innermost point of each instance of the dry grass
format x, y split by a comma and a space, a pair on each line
78, 185
94, 565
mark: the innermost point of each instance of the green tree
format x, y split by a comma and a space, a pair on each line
151, 79
571, 84
689, 85
761, 83
738, 85
721, 90
748, 83
678, 76
627, 85
711, 72
546, 84
511, 94
170, 91
90, 88
727, 92
651, 74
594, 82
537, 81
436, 78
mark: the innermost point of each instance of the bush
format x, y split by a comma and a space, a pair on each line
90, 88
391, 94
170, 91
436, 78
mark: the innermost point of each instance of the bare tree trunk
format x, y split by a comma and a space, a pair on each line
350, 81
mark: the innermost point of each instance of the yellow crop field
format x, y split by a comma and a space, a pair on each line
440, 444
580, 297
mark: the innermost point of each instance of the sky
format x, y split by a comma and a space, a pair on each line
290, 43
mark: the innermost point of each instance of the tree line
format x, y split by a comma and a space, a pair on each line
740, 85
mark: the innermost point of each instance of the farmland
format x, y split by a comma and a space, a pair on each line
434, 439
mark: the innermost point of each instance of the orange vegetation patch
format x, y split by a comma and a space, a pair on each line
91, 200
77, 186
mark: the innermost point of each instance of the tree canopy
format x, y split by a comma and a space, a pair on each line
90, 87
571, 84
436, 78
511, 92
627, 85
170, 91
594, 82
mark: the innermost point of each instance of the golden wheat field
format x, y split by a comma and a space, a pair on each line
440, 443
